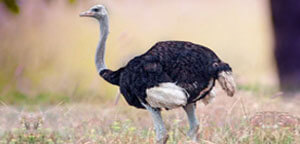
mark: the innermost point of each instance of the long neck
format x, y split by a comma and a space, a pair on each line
99, 58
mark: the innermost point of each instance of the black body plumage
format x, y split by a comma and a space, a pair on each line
190, 66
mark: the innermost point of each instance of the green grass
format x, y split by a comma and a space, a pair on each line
15, 97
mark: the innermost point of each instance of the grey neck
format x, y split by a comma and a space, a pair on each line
99, 57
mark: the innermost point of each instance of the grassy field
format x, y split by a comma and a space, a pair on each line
251, 117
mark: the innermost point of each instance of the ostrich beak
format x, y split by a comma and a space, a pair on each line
86, 14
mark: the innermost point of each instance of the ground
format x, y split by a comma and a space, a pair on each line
251, 116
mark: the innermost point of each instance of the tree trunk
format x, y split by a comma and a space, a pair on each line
286, 22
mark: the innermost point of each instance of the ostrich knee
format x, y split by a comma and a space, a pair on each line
193, 122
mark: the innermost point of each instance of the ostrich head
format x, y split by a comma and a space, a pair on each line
97, 11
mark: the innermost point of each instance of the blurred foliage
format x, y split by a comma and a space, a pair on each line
72, 1
11, 5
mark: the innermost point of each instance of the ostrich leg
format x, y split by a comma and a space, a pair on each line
194, 124
160, 130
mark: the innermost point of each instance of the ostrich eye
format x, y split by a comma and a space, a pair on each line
95, 10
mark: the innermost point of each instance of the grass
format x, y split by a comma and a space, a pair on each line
15, 97
243, 119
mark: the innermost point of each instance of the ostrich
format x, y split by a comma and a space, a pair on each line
169, 75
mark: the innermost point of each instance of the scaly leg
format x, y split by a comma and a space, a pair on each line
194, 124
160, 130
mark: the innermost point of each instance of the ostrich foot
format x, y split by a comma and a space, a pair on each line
163, 139
192, 133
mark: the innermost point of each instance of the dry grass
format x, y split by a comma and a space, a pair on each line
247, 118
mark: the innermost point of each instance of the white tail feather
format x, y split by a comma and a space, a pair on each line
226, 81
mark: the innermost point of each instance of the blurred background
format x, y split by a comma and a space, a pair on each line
47, 50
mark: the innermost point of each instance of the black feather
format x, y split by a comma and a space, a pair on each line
190, 66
